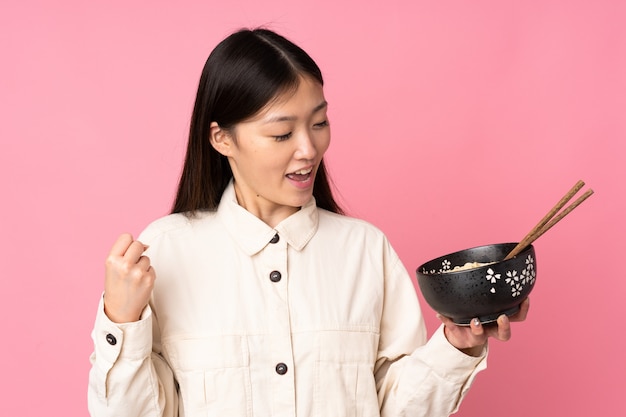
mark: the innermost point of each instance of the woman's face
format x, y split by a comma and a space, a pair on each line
275, 155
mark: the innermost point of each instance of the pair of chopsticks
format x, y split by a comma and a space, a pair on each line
551, 218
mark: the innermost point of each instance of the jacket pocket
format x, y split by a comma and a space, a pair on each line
213, 374
345, 384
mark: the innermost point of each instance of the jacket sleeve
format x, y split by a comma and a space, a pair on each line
127, 377
416, 377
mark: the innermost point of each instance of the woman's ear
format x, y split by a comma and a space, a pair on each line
220, 139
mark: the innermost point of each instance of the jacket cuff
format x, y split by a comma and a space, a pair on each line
113, 341
448, 361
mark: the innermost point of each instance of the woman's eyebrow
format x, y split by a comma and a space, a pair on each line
278, 118
320, 106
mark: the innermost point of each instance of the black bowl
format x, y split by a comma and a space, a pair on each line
483, 292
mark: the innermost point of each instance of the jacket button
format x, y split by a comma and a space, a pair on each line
281, 369
275, 276
111, 340
275, 239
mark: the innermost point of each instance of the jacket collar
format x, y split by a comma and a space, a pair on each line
252, 234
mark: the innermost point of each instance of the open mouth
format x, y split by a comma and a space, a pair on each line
301, 175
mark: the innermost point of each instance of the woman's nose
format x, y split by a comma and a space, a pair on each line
306, 146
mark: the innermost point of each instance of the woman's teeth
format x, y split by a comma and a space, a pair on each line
300, 175
303, 171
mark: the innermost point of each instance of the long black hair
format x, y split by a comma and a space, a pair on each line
242, 74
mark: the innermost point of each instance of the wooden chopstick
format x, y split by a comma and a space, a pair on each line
562, 214
567, 197
550, 219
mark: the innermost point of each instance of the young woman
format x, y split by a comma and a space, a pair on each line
257, 296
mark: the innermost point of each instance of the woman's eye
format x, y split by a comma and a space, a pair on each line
321, 124
282, 137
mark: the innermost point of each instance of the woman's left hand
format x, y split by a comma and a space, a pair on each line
472, 339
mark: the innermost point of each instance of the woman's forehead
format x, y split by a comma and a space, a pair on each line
306, 97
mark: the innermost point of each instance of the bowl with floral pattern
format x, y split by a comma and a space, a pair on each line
478, 283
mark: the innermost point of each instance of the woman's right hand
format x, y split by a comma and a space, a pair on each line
129, 280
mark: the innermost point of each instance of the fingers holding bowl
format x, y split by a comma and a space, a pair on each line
470, 337
523, 311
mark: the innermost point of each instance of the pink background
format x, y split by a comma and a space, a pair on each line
455, 124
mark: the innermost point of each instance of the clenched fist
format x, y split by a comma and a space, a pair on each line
129, 280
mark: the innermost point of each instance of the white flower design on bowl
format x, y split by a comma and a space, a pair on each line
492, 276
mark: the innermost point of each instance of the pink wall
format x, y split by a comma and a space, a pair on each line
455, 124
